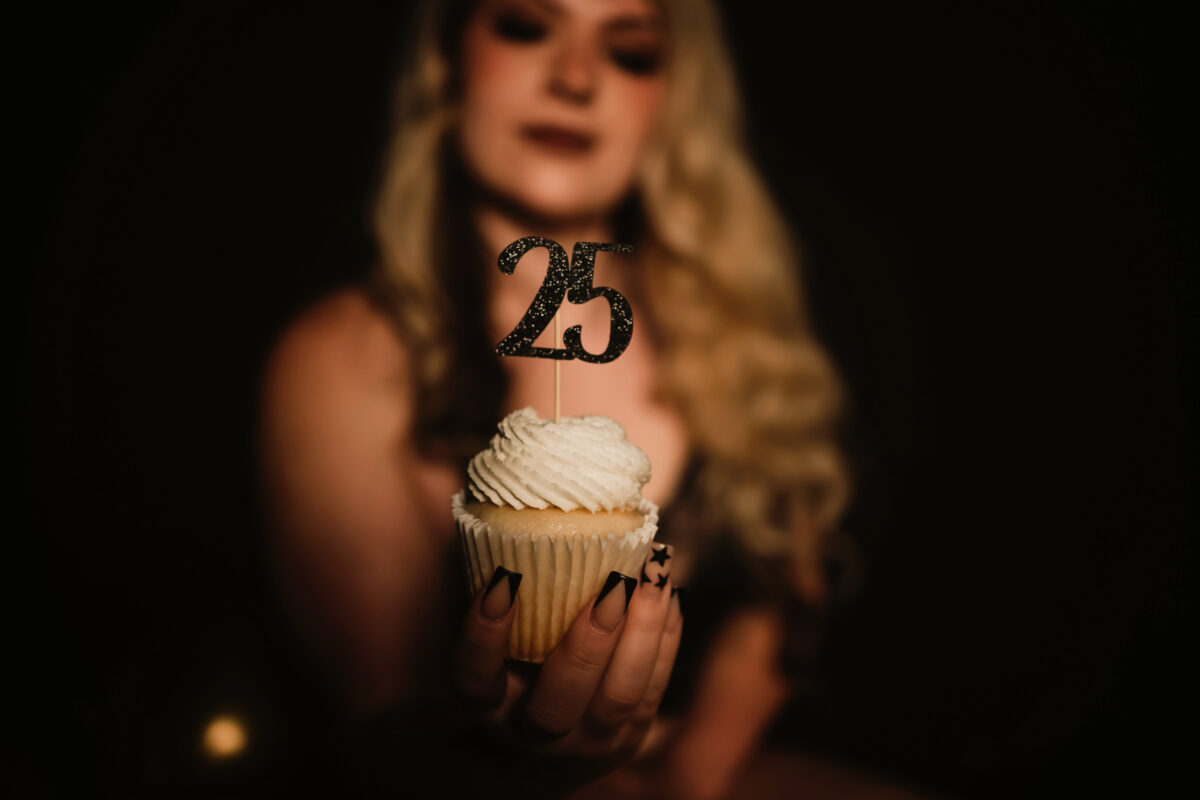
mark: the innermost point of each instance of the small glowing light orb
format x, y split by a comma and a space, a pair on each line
224, 736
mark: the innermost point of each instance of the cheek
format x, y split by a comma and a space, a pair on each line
634, 113
491, 89
645, 102
495, 78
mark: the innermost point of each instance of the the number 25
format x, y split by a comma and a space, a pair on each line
575, 282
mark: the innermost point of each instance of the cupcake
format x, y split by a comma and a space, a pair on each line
561, 503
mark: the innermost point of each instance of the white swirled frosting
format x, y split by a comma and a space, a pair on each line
581, 462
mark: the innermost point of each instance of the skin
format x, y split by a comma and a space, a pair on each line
568, 64
364, 546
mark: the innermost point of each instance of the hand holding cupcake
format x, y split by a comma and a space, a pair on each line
559, 554
560, 503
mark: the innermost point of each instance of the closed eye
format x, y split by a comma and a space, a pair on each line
515, 27
636, 61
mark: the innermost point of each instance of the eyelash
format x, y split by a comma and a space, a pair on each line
636, 62
520, 29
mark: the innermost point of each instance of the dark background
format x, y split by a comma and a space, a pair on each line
989, 198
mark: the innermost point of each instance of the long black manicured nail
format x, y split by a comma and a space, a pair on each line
657, 569
610, 606
497, 599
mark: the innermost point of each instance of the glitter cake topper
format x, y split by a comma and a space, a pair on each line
573, 281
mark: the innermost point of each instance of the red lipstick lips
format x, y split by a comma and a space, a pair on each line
562, 140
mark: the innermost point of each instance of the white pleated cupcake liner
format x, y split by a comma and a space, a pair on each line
560, 573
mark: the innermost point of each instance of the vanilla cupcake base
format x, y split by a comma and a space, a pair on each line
563, 556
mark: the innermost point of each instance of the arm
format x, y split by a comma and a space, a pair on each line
356, 558
739, 692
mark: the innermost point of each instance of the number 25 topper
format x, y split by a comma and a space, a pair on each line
574, 281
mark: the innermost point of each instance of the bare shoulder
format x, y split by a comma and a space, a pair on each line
344, 492
336, 382
343, 334
340, 350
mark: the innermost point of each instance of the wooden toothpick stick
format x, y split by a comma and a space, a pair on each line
557, 372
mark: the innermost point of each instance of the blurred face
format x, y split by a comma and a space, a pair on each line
559, 99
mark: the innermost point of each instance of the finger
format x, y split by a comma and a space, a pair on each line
647, 710
628, 674
574, 668
478, 672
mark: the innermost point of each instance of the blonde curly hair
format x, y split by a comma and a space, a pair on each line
738, 359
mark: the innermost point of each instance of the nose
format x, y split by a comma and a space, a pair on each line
574, 72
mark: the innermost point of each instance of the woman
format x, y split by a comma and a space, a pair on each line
578, 120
